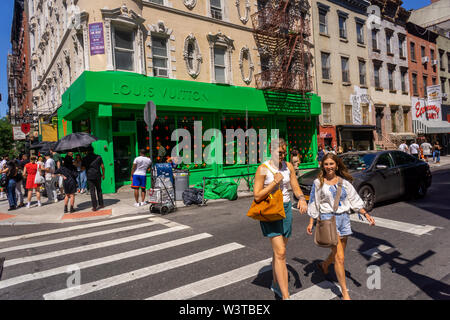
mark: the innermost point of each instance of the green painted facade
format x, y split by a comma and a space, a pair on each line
110, 104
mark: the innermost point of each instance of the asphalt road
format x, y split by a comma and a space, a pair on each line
216, 252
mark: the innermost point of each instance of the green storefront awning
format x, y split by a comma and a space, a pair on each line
125, 90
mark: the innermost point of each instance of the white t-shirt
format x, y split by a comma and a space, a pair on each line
2, 164
403, 147
414, 148
426, 148
50, 163
142, 164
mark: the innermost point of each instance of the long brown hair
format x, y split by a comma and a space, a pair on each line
341, 171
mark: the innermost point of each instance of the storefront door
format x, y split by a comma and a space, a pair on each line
124, 154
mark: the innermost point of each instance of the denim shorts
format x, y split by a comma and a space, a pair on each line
342, 223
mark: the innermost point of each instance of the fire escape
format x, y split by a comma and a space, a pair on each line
281, 30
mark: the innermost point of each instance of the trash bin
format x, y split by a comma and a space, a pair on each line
181, 178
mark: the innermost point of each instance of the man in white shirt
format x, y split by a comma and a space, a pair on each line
139, 176
426, 147
50, 180
414, 150
403, 147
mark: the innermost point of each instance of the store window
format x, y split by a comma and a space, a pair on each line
240, 121
123, 42
300, 133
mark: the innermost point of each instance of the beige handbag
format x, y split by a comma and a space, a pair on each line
326, 233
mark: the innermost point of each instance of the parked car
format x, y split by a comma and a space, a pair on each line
380, 175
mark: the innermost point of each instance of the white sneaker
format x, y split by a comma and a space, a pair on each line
39, 204
28, 205
143, 203
137, 204
56, 200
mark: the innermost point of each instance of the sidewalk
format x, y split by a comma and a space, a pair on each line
445, 161
117, 204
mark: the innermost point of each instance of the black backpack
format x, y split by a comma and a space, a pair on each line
192, 196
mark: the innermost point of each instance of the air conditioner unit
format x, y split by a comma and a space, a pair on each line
159, 72
434, 62
425, 60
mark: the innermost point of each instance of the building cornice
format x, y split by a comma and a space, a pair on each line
195, 16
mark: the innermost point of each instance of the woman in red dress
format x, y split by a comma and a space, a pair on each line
30, 172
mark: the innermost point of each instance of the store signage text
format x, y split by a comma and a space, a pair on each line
432, 111
167, 93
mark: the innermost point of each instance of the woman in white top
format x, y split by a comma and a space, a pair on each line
321, 203
273, 175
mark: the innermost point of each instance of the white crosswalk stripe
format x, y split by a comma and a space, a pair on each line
99, 245
79, 237
174, 235
397, 225
78, 227
103, 260
140, 273
216, 282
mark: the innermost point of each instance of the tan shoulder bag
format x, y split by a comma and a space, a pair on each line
326, 233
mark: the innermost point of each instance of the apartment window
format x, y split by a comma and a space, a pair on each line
414, 84
388, 42
422, 51
374, 39
342, 27
160, 57
365, 114
401, 42
425, 80
323, 25
412, 48
443, 81
433, 80
219, 64
348, 114
326, 74
391, 78
376, 74
345, 71
448, 62
362, 72
360, 32
326, 113
432, 56
403, 74
123, 49
441, 60
216, 9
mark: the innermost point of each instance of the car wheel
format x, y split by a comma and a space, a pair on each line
421, 190
367, 195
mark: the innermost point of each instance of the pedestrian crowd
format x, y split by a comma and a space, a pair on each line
54, 176
423, 151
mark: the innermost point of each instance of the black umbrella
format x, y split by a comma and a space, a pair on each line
46, 148
42, 144
75, 142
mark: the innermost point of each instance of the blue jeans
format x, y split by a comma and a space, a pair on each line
82, 180
437, 154
12, 193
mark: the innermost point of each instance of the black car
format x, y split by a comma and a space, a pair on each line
380, 175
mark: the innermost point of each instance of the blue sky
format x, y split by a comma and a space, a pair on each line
6, 12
